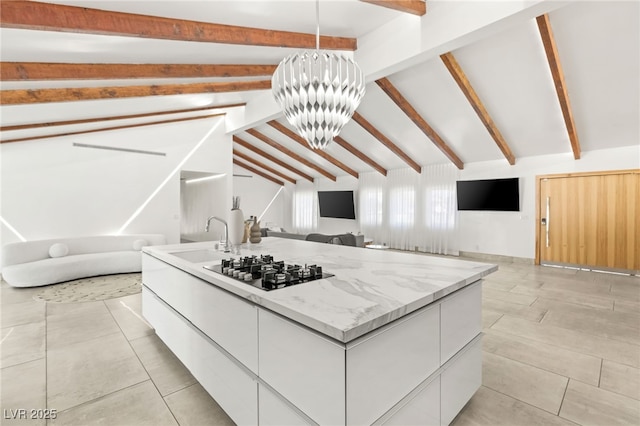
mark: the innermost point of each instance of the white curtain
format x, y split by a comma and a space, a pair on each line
371, 207
402, 205
439, 227
410, 211
305, 208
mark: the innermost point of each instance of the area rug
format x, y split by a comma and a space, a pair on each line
92, 289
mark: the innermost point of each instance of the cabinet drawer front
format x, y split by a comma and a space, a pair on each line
275, 412
231, 386
422, 410
304, 367
460, 380
385, 367
461, 318
228, 320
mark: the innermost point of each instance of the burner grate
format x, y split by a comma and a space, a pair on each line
267, 274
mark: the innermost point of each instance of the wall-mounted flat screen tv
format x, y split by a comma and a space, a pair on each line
489, 194
336, 204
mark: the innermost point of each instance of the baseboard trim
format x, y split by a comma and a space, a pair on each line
497, 257
602, 269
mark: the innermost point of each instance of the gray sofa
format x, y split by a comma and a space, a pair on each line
289, 235
342, 239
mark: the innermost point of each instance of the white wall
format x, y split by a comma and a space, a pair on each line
513, 233
502, 233
52, 189
339, 226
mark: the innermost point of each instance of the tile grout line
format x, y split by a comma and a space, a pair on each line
519, 400
611, 390
543, 316
7, 335
142, 364
541, 368
99, 337
582, 305
563, 397
181, 389
497, 319
91, 401
565, 347
600, 376
23, 362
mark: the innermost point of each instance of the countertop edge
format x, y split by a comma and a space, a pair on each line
255, 295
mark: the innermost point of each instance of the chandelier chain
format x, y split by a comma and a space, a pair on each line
317, 24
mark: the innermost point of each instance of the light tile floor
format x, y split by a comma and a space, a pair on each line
561, 347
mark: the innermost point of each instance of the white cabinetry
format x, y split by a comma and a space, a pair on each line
304, 367
421, 410
230, 384
460, 380
228, 320
384, 366
461, 315
263, 368
276, 412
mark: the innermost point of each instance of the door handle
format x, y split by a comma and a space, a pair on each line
547, 221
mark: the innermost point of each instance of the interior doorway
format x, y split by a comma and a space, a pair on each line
589, 220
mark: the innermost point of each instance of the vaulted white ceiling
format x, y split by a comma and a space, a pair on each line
497, 44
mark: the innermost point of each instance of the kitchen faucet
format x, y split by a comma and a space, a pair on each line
226, 231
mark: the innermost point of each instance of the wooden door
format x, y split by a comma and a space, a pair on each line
590, 220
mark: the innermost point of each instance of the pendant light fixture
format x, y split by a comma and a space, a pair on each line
318, 91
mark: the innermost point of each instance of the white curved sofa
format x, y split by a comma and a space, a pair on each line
42, 262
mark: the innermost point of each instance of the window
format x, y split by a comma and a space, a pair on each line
370, 207
439, 208
304, 210
402, 210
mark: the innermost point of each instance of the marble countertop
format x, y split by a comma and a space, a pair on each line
370, 288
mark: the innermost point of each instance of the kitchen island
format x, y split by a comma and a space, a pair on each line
390, 338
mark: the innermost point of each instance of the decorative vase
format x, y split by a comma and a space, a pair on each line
256, 236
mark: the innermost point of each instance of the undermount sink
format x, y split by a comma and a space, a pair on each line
197, 256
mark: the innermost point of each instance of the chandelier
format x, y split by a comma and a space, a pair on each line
318, 91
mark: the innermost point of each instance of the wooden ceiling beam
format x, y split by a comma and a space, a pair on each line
360, 155
103, 129
28, 96
33, 15
463, 82
414, 7
422, 124
256, 171
296, 137
386, 141
553, 58
118, 117
23, 71
270, 157
263, 166
287, 151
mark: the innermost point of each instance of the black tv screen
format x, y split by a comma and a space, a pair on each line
489, 194
336, 204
